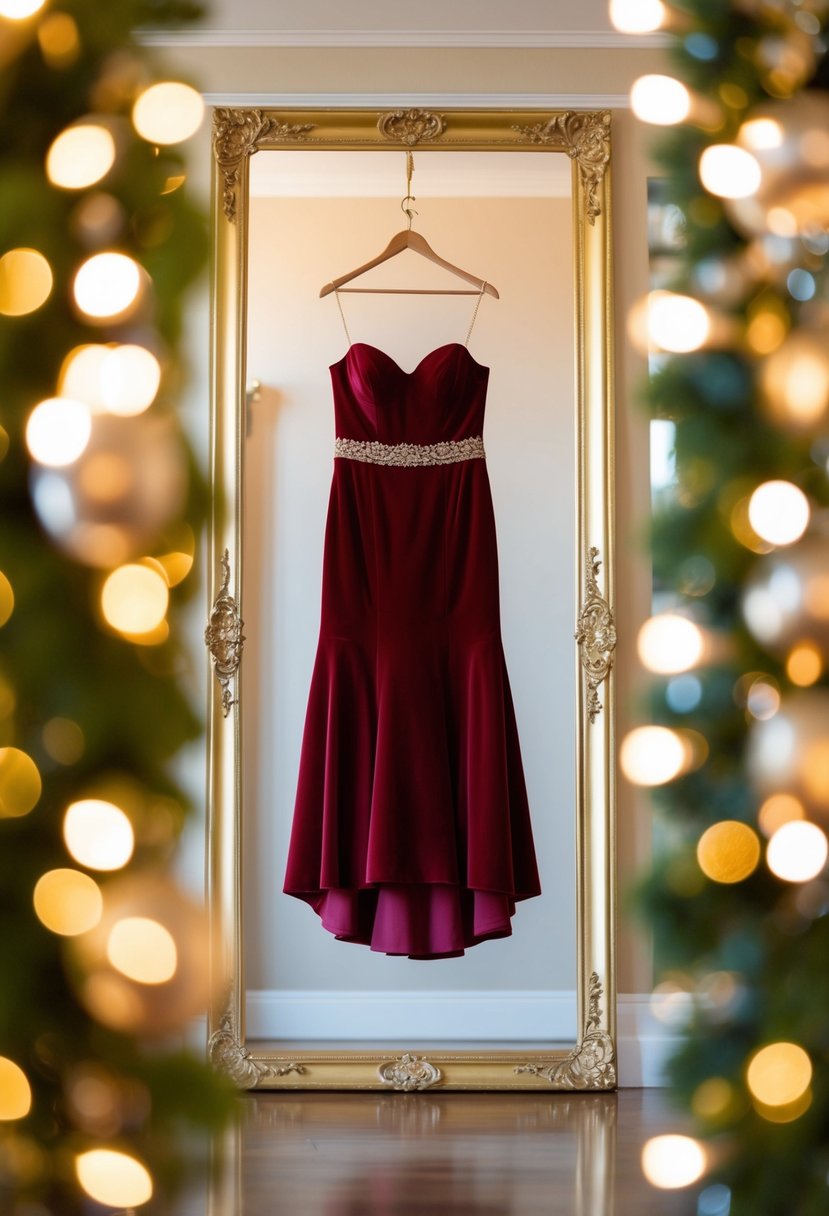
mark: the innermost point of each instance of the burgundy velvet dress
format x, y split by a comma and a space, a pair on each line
411, 829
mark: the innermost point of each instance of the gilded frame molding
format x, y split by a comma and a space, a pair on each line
585, 137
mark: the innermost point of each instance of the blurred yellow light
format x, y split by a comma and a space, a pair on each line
672, 1161
106, 285
168, 113
777, 810
142, 950
57, 34
661, 100
795, 381
115, 379
25, 281
18, 10
80, 156
15, 1091
815, 771
805, 664
728, 851
114, 1178
742, 529
6, 599
779, 1074
668, 643
779, 512
58, 431
761, 134
68, 902
766, 330
797, 852
782, 222
134, 599
677, 323
729, 171
98, 834
637, 16
652, 755
20, 783
63, 740
785, 1112
712, 1098
176, 566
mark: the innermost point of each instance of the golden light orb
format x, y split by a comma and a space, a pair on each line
794, 381
142, 950
15, 1091
677, 323
652, 755
797, 851
59, 40
25, 281
106, 285
6, 599
637, 16
668, 643
728, 851
58, 431
113, 379
168, 112
779, 1074
98, 834
712, 1098
63, 740
728, 171
68, 902
19, 10
777, 810
176, 566
804, 665
20, 783
134, 599
114, 1179
671, 1161
660, 100
778, 511
80, 156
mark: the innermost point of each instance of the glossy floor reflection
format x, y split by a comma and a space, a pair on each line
329, 1154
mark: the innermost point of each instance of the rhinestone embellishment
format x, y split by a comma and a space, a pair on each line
411, 455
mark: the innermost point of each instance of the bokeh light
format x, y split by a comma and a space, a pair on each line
59, 41
18, 10
68, 902
20, 783
652, 755
134, 599
15, 1091
142, 950
797, 851
661, 100
777, 810
763, 699
712, 1098
672, 1161
115, 379
80, 156
25, 281
98, 834
728, 851
106, 285
637, 16
794, 381
671, 1003
112, 1178
668, 643
6, 599
804, 664
779, 512
58, 431
677, 323
168, 113
729, 171
779, 1074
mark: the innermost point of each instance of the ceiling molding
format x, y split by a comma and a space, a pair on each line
445, 101
526, 39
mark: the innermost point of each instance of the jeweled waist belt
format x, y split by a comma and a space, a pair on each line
411, 455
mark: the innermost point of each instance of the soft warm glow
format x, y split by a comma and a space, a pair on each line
672, 1003
761, 134
779, 1074
637, 16
98, 834
779, 512
668, 644
661, 100
68, 902
670, 1162
777, 810
168, 113
17, 10
797, 851
113, 379
176, 566
652, 755
58, 431
113, 1178
57, 34
728, 851
134, 599
677, 323
142, 950
80, 156
804, 666
6, 599
712, 1098
763, 699
15, 1091
20, 783
729, 171
63, 740
25, 281
106, 285
795, 381
766, 331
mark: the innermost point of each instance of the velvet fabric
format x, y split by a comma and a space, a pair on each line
411, 829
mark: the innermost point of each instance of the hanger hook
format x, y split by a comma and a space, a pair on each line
409, 197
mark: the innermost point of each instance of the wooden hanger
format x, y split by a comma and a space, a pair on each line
408, 239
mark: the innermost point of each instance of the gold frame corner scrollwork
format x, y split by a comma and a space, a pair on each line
585, 137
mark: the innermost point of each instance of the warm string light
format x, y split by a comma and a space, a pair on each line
68, 902
728, 851
142, 950
80, 156
671, 1162
111, 378
779, 1076
25, 282
19, 10
134, 599
98, 834
107, 285
58, 431
669, 643
797, 851
15, 1091
20, 783
638, 16
728, 171
168, 113
779, 512
114, 1178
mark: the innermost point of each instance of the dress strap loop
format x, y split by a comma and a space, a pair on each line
475, 313
342, 314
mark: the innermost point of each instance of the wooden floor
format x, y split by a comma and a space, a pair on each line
325, 1154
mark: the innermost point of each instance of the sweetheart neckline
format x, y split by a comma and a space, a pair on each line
403, 372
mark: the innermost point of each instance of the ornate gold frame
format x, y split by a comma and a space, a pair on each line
584, 136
